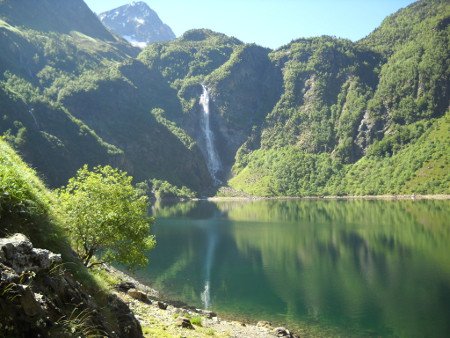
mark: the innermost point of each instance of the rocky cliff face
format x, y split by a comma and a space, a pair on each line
137, 23
39, 298
243, 91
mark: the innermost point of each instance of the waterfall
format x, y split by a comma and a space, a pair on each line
31, 111
213, 161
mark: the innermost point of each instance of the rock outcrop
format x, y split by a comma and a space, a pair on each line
39, 298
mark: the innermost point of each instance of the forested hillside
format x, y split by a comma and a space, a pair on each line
319, 116
73, 93
358, 118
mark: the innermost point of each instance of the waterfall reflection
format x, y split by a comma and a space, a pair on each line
212, 240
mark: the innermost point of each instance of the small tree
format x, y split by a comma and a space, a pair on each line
106, 217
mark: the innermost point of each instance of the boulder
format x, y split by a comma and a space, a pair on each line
139, 295
282, 332
162, 305
18, 253
128, 324
125, 286
35, 299
185, 323
206, 313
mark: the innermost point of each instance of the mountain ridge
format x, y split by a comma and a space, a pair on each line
328, 105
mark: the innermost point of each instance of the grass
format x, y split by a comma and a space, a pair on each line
196, 320
28, 207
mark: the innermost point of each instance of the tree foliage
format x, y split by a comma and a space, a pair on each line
106, 216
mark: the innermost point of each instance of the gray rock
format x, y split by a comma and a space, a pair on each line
139, 295
7, 275
206, 313
128, 324
210, 314
18, 253
34, 300
45, 259
185, 323
264, 323
162, 305
28, 301
125, 286
282, 332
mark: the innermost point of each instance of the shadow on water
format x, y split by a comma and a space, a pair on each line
361, 268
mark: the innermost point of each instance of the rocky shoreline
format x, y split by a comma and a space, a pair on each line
40, 298
162, 317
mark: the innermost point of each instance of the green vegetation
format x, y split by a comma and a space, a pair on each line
173, 128
106, 217
355, 119
28, 207
73, 94
421, 167
312, 117
24, 201
162, 190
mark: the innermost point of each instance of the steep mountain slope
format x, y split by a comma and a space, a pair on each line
65, 93
185, 64
39, 298
326, 84
363, 102
137, 23
243, 84
54, 16
300, 120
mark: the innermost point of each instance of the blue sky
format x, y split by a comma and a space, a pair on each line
270, 23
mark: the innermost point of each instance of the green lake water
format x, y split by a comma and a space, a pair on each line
320, 267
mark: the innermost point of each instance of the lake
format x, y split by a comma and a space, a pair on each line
319, 267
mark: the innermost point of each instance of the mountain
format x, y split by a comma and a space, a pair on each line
359, 118
54, 16
137, 23
318, 116
68, 98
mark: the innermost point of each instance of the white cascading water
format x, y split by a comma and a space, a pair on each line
213, 161
31, 111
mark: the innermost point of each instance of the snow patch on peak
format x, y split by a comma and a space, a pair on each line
139, 21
